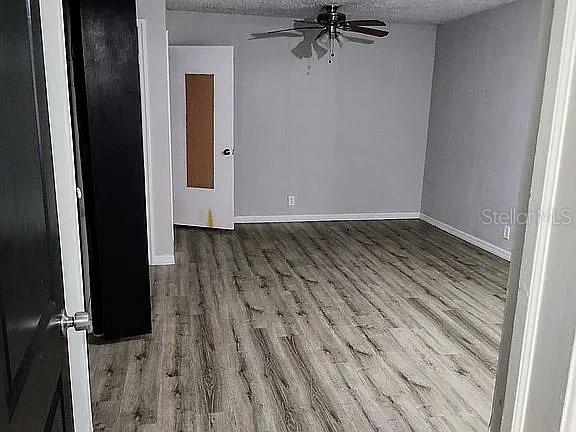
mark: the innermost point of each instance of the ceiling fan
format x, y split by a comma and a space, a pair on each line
330, 25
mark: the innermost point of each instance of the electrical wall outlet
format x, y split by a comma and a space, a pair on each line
506, 232
291, 200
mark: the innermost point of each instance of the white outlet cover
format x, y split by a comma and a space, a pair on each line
291, 200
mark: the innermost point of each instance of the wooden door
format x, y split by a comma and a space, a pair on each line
34, 373
202, 124
102, 49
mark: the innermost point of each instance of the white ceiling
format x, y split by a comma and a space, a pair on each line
407, 11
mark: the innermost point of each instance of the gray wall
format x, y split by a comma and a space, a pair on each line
154, 12
486, 78
344, 138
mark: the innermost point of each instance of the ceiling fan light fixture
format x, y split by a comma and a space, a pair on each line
330, 24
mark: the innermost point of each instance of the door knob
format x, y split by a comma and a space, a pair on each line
80, 321
227, 152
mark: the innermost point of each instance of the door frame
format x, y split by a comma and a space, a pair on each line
52, 18
537, 256
146, 131
569, 414
555, 115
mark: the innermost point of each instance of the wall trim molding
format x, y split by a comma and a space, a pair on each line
146, 132
326, 217
469, 238
161, 260
569, 412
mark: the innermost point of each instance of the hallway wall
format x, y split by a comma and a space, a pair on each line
486, 89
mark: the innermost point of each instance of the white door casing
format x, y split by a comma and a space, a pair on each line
146, 134
212, 208
544, 326
52, 18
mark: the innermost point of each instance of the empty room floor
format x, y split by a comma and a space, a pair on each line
337, 326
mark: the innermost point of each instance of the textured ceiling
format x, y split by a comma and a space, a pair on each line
408, 11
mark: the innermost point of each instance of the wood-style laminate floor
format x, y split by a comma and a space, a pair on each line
345, 326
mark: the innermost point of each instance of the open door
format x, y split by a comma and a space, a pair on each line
202, 124
34, 370
102, 50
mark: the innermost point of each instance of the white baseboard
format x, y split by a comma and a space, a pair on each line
325, 217
159, 260
482, 244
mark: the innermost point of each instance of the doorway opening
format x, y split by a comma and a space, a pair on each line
328, 323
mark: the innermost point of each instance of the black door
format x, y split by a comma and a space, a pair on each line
34, 386
102, 49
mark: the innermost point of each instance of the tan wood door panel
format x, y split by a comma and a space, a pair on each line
200, 131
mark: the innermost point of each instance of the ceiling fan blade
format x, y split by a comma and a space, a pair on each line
367, 31
294, 29
358, 39
306, 22
275, 35
370, 23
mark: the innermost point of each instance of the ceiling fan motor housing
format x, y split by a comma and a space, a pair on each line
331, 17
